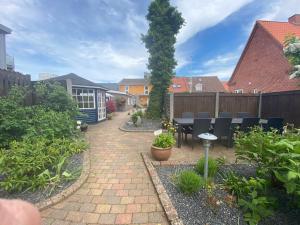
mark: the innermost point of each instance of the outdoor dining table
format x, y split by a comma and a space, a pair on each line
190, 121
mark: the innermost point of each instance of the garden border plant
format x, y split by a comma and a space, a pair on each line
40, 138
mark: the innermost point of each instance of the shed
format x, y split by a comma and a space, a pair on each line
90, 97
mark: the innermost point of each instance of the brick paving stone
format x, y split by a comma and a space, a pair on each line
103, 208
118, 177
117, 209
107, 219
123, 219
140, 218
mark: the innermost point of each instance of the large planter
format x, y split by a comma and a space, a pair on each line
161, 154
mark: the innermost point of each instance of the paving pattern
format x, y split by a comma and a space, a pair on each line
118, 189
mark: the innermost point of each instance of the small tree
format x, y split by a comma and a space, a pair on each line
164, 23
292, 52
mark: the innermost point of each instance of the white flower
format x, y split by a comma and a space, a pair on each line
78, 122
78, 127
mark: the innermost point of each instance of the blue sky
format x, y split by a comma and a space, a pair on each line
100, 39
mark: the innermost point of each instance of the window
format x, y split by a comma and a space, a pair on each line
238, 91
198, 87
85, 98
126, 89
255, 91
146, 90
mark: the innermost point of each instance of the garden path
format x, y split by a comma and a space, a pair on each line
118, 189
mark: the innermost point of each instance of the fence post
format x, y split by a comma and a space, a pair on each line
259, 104
171, 106
217, 105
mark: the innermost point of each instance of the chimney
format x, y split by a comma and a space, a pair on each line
3, 31
295, 19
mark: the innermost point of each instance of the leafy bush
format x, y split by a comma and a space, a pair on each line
189, 182
164, 140
36, 162
252, 196
55, 97
36, 141
277, 156
140, 113
111, 107
50, 124
212, 166
134, 118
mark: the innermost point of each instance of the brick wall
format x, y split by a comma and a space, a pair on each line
263, 66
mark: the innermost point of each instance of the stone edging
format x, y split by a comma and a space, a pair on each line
126, 130
71, 189
169, 209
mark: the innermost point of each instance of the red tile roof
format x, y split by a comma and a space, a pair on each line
178, 85
279, 30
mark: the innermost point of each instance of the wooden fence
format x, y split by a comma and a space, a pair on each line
281, 104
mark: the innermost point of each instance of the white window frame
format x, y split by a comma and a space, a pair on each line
239, 91
90, 92
146, 90
126, 89
255, 91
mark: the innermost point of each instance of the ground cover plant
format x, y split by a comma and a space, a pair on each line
37, 140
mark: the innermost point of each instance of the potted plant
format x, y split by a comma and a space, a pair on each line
84, 127
162, 146
109, 116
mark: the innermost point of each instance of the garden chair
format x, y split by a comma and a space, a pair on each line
248, 123
187, 129
203, 115
225, 115
243, 115
200, 126
222, 129
274, 123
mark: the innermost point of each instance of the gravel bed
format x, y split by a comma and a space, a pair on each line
74, 163
194, 210
147, 125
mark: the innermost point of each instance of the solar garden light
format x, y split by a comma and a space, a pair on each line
207, 139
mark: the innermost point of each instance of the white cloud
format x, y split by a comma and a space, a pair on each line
223, 73
201, 14
221, 60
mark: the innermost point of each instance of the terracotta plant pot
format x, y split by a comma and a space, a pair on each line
161, 154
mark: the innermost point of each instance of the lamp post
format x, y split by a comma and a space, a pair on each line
207, 139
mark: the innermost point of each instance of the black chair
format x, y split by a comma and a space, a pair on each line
248, 123
187, 129
225, 115
243, 115
187, 115
274, 123
200, 126
222, 129
203, 115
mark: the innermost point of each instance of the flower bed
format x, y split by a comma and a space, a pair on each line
195, 209
74, 165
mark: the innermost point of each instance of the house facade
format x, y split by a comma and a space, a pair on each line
140, 88
90, 97
262, 66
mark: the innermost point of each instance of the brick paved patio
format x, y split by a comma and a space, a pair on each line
119, 189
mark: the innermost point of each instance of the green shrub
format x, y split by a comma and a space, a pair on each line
212, 166
50, 124
140, 113
252, 196
164, 140
55, 97
134, 118
36, 162
189, 182
277, 156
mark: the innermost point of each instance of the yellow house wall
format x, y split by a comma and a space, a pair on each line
135, 89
